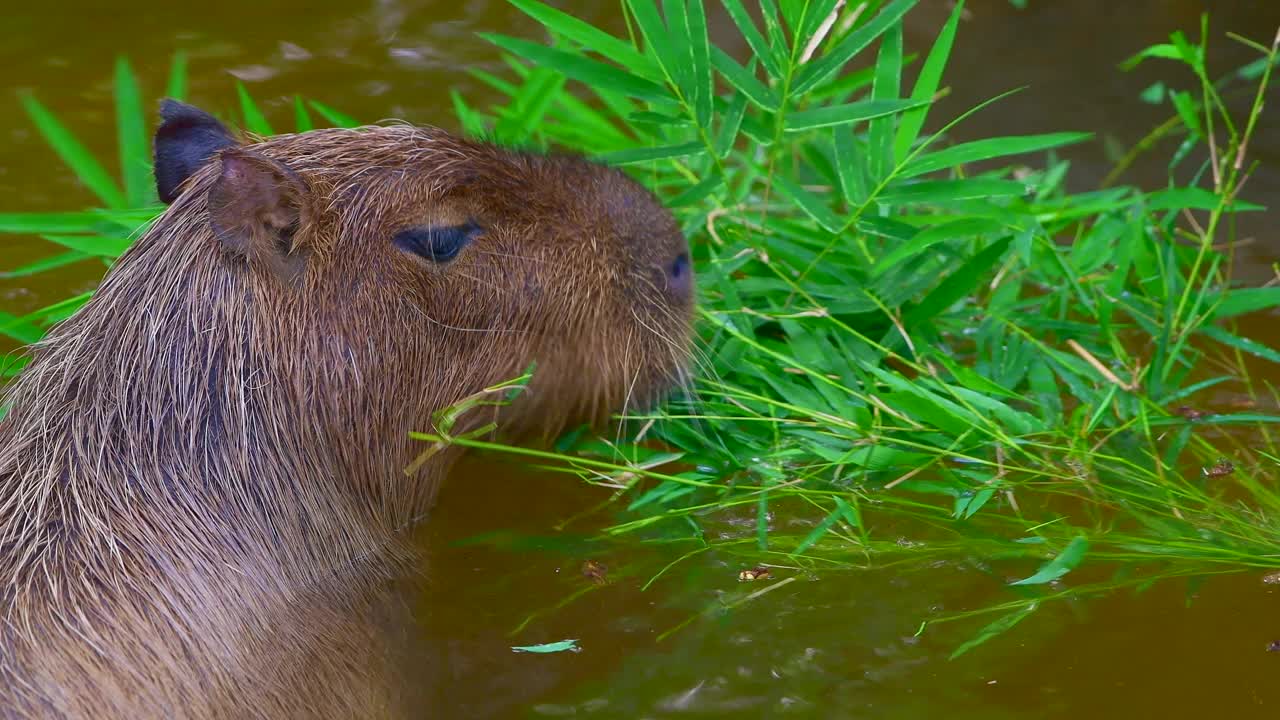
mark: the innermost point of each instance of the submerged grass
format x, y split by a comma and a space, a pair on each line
897, 330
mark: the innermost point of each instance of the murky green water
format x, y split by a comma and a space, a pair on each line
839, 645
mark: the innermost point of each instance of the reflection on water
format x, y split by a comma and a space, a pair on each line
834, 645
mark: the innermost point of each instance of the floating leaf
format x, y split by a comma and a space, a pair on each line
1065, 562
554, 647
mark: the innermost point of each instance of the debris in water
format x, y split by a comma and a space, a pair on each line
555, 647
595, 572
1191, 413
1273, 646
1222, 468
1271, 578
757, 573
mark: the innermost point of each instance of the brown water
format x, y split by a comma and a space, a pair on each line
832, 646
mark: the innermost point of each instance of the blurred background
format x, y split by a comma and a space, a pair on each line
833, 649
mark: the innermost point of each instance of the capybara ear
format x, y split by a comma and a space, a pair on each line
186, 139
257, 209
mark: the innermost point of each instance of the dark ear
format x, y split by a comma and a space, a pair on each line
258, 209
186, 139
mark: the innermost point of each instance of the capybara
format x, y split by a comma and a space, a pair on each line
203, 480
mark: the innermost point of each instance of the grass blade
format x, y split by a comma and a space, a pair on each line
811, 204
44, 264
590, 72
979, 150
1065, 562
135, 153
887, 85
760, 48
958, 284
77, 157
744, 81
177, 85
846, 114
301, 118
819, 70
912, 122
585, 34
254, 121
703, 81
990, 631
335, 118
647, 154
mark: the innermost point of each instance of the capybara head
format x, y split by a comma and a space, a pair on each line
451, 264
404, 268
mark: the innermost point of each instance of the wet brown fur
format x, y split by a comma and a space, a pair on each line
201, 473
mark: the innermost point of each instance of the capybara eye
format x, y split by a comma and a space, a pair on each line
437, 243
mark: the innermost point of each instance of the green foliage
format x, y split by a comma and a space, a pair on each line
890, 316
103, 234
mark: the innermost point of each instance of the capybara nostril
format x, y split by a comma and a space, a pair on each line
680, 277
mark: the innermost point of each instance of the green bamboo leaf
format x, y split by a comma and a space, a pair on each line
254, 121
919, 402
887, 86
658, 39
1015, 422
54, 222
980, 150
177, 85
815, 13
959, 284
135, 152
587, 35
927, 238
301, 118
648, 154
1065, 562
1163, 50
555, 647
529, 106
703, 82
744, 81
841, 512
846, 114
472, 123
760, 48
812, 205
1192, 198
1241, 301
680, 46
1002, 625
1253, 347
335, 118
591, 72
762, 522
44, 264
730, 125
93, 245
851, 165
778, 45
912, 122
818, 70
940, 191
699, 192
72, 152
20, 329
